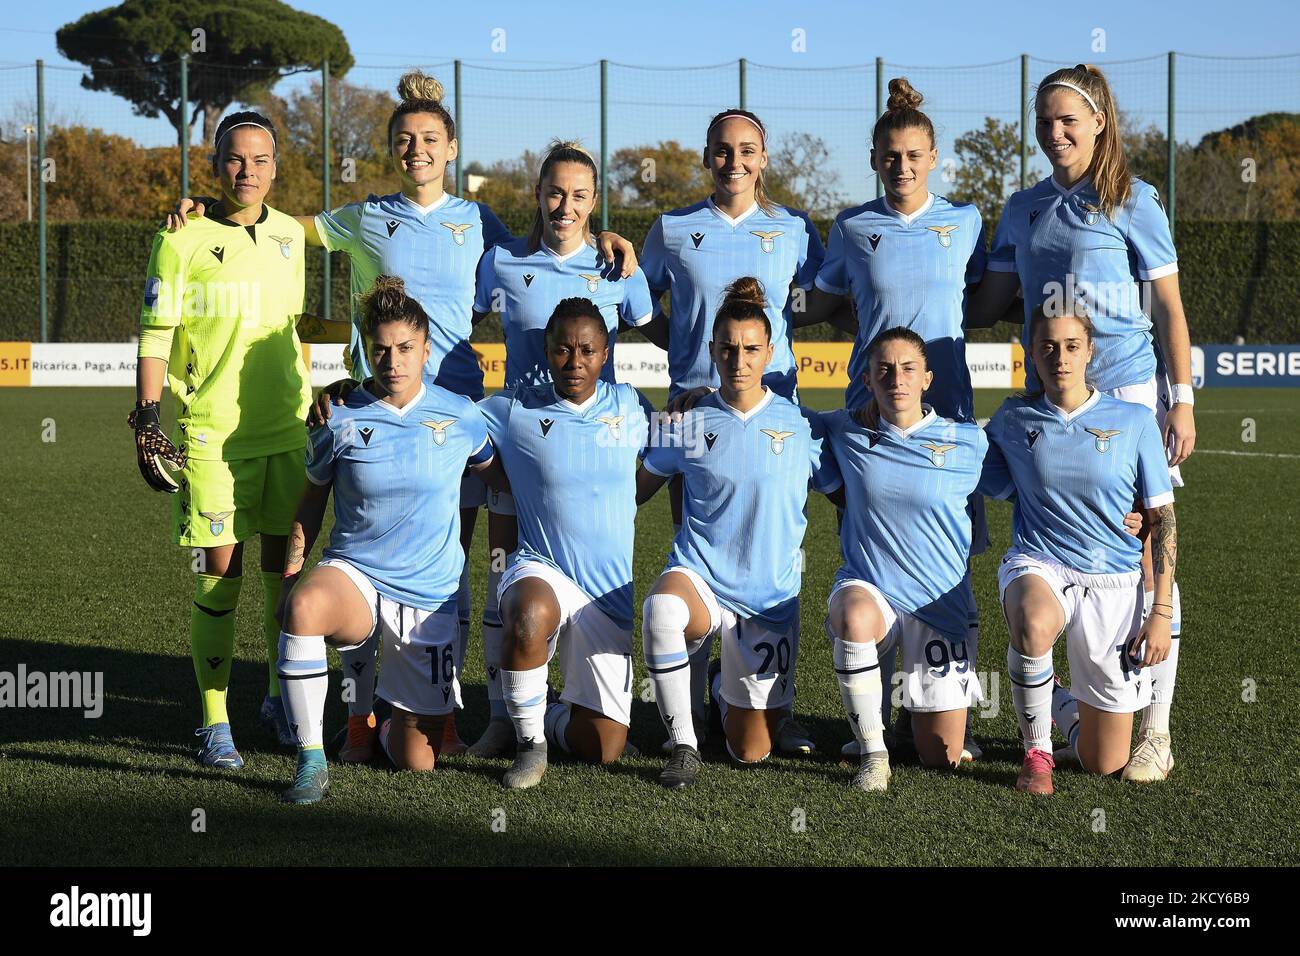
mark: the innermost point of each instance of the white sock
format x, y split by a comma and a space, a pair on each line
700, 651
525, 696
663, 632
1065, 714
463, 609
557, 723
1164, 675
359, 667
304, 676
857, 669
1031, 695
492, 648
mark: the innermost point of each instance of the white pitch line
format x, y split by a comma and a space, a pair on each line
1242, 454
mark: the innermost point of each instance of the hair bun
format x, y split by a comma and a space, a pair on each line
419, 86
746, 290
902, 96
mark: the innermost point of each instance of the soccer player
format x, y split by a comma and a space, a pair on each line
695, 253
1093, 233
746, 456
523, 280
905, 540
1075, 458
569, 448
393, 455
433, 241
218, 321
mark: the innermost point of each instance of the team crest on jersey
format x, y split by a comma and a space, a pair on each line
767, 240
392, 225
458, 231
1093, 213
944, 233
593, 282
216, 520
286, 245
697, 238
1103, 436
874, 239
440, 429
528, 279
778, 439
614, 422
938, 453
709, 439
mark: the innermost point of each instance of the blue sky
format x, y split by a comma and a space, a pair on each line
793, 89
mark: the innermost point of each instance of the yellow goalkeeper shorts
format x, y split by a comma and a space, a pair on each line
225, 502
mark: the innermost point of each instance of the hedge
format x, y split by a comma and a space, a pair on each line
1238, 278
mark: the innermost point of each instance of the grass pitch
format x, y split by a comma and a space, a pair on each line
90, 582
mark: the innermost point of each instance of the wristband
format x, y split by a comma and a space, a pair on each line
1182, 395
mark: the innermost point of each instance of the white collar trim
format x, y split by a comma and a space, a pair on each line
746, 416
425, 210
1085, 181
574, 405
401, 412
906, 433
1090, 401
566, 256
733, 223
907, 218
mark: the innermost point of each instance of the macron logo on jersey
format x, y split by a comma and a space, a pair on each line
528, 279
1031, 435
366, 433
546, 424
392, 225
1033, 214
697, 238
710, 438
219, 252
874, 239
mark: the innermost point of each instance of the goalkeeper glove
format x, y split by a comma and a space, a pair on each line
154, 452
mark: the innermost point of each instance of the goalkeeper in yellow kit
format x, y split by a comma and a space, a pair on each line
218, 322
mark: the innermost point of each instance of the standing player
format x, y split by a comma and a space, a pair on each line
433, 241
695, 253
218, 321
569, 448
1091, 233
905, 540
736, 563
523, 280
1075, 459
393, 456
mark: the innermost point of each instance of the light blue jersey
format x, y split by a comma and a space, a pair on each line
696, 252
906, 529
396, 476
525, 287
434, 251
572, 472
745, 483
1074, 477
911, 271
1064, 249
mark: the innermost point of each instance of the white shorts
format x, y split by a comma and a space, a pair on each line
595, 653
417, 670
758, 663
1157, 396
500, 502
938, 674
1103, 613
473, 493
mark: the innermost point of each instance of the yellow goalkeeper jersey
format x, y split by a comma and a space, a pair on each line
233, 294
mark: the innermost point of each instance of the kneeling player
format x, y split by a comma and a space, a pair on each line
736, 564
394, 455
1074, 458
569, 449
904, 540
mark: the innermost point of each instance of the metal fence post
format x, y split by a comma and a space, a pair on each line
1024, 120
744, 97
604, 145
880, 108
184, 132
1171, 186
460, 137
325, 175
41, 223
